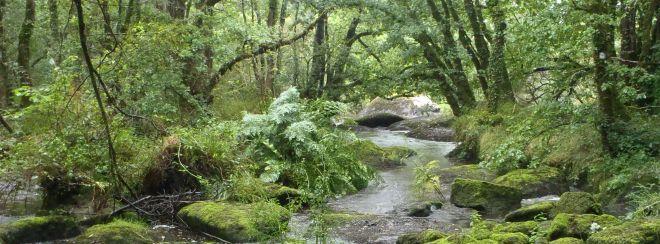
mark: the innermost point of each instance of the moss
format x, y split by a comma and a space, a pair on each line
629, 232
576, 203
118, 231
526, 227
236, 222
483, 196
540, 209
567, 240
579, 225
536, 182
383, 158
470, 171
38, 229
420, 237
510, 238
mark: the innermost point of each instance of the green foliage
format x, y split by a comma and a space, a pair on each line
295, 142
645, 200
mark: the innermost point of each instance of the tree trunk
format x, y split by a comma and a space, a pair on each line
4, 79
466, 42
502, 89
273, 7
319, 61
432, 56
479, 34
456, 71
603, 40
336, 73
129, 15
177, 8
24, 39
54, 27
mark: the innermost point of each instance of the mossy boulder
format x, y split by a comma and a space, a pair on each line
384, 158
576, 203
420, 237
39, 229
236, 222
418, 210
641, 232
469, 171
540, 209
527, 227
510, 238
537, 182
283, 194
118, 231
483, 196
567, 240
579, 225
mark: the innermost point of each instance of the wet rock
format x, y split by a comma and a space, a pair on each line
384, 158
470, 171
39, 229
579, 225
492, 232
236, 222
643, 232
576, 203
378, 120
387, 228
486, 197
421, 122
406, 107
419, 210
540, 209
420, 237
537, 182
567, 240
117, 231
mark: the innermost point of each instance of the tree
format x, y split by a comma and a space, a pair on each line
4, 79
502, 90
315, 83
24, 39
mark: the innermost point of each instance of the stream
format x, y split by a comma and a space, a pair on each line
385, 200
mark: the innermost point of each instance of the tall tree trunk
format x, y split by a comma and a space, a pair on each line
479, 34
319, 60
646, 30
336, 72
4, 79
603, 40
456, 71
24, 39
466, 42
129, 16
503, 91
271, 21
629, 50
177, 8
54, 28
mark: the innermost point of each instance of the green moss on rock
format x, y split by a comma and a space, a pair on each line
469, 171
420, 237
236, 222
38, 229
510, 238
540, 209
117, 232
579, 225
526, 227
630, 232
384, 158
537, 182
576, 203
567, 240
483, 196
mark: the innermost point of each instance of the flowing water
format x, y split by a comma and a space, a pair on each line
387, 198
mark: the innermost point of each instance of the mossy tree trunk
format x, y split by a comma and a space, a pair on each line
455, 65
435, 62
319, 59
4, 79
24, 38
502, 91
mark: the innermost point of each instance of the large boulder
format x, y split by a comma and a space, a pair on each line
384, 157
540, 209
468, 171
433, 129
579, 225
576, 203
236, 222
536, 182
483, 196
420, 237
642, 232
39, 229
118, 231
381, 112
